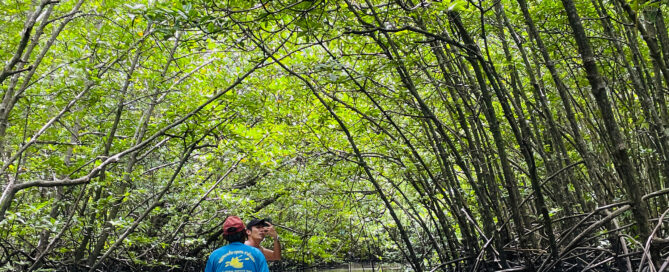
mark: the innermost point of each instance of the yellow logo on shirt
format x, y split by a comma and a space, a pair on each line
238, 261
234, 263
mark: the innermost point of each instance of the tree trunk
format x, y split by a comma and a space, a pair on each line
617, 144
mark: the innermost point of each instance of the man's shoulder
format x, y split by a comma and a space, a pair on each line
264, 249
259, 249
236, 247
255, 249
220, 250
240, 246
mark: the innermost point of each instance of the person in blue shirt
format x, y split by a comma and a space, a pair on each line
236, 256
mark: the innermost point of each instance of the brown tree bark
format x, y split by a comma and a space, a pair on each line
617, 144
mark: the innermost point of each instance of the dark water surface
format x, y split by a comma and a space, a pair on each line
363, 267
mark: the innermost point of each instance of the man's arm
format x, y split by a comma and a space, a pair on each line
261, 265
210, 265
275, 253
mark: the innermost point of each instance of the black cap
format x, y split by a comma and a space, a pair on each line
258, 222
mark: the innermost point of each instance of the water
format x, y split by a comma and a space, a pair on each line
363, 267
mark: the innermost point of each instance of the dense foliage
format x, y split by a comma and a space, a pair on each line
451, 135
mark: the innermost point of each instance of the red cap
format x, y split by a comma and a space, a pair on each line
233, 225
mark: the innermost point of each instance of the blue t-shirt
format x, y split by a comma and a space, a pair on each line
236, 257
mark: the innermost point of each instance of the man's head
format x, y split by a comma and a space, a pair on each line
233, 229
255, 229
